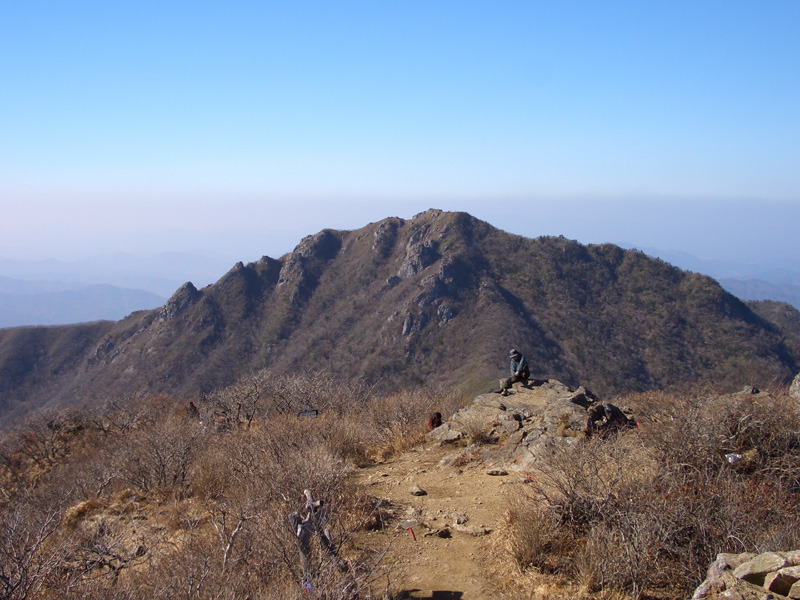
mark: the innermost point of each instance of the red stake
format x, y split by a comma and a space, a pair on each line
412, 533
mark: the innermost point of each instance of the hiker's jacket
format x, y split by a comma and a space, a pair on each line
520, 365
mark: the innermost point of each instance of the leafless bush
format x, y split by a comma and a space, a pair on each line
246, 538
621, 553
475, 430
264, 395
536, 536
397, 422
222, 495
117, 416
651, 508
158, 457
28, 556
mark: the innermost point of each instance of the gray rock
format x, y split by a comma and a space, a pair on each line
754, 577
408, 523
415, 490
794, 389
444, 532
715, 586
446, 434
726, 562
755, 571
472, 530
497, 471
781, 582
459, 518
509, 423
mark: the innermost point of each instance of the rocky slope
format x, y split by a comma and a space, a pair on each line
439, 297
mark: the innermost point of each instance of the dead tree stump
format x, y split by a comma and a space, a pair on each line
314, 524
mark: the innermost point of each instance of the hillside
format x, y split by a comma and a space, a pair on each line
785, 317
437, 298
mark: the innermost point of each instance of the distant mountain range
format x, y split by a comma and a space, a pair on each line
54, 292
159, 274
757, 289
55, 303
437, 298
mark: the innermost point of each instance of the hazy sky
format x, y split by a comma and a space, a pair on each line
240, 127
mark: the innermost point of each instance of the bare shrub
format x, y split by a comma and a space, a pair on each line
475, 430
396, 422
210, 474
650, 509
264, 395
536, 536
621, 553
117, 416
158, 457
29, 556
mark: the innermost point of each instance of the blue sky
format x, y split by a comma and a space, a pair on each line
241, 127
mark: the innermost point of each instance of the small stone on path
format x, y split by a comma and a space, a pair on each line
415, 490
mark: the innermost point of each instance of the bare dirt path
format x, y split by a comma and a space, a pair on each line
457, 553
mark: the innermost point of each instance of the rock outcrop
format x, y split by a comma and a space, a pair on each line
748, 576
794, 389
530, 421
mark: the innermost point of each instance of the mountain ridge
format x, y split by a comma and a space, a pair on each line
436, 298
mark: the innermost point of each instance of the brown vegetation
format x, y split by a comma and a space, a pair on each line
146, 498
143, 497
644, 512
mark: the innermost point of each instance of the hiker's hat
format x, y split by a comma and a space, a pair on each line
514, 352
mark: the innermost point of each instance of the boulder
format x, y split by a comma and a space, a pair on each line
472, 530
445, 434
750, 576
756, 570
497, 471
794, 389
781, 581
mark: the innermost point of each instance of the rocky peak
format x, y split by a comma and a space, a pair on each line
322, 246
421, 252
794, 389
185, 296
385, 236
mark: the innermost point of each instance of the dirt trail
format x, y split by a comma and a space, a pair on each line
462, 564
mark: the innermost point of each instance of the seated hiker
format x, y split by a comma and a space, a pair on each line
519, 372
434, 421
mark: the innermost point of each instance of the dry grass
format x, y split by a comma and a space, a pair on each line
213, 485
644, 512
639, 514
